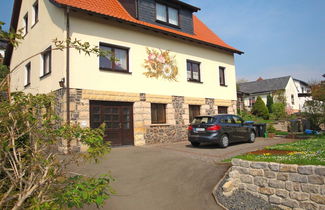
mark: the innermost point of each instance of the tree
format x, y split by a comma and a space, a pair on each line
279, 111
259, 109
269, 103
33, 174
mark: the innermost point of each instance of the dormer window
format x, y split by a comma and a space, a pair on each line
167, 14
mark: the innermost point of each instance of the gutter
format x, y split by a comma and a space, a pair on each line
68, 64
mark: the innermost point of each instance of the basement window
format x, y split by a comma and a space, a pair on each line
158, 113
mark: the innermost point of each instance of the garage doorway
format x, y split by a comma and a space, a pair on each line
118, 117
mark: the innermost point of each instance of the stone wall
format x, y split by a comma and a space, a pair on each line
177, 112
284, 185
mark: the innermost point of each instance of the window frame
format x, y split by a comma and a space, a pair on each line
158, 119
192, 79
26, 19
222, 76
221, 107
113, 47
35, 14
191, 113
46, 52
28, 67
167, 14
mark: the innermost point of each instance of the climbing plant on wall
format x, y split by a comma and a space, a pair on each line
160, 64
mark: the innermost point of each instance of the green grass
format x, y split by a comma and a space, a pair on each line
308, 152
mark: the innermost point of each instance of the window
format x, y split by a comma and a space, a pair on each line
46, 66
35, 13
292, 99
237, 120
116, 60
222, 76
27, 75
226, 120
251, 101
193, 71
167, 14
158, 113
25, 28
194, 111
201, 120
222, 110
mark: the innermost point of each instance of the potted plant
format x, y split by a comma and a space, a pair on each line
270, 131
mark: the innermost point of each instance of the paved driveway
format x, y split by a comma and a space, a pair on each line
172, 176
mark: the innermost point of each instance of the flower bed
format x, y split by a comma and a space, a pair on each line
303, 152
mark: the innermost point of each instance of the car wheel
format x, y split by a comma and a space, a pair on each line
224, 141
195, 144
252, 137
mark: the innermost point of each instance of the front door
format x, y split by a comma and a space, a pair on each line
118, 117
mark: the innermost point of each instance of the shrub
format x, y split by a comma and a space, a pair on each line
270, 129
259, 109
278, 110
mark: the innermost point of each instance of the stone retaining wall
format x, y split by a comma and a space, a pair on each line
284, 185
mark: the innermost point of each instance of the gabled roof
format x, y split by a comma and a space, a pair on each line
113, 8
267, 85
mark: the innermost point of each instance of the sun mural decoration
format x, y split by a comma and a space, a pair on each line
160, 64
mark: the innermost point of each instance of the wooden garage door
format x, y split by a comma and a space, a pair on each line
118, 117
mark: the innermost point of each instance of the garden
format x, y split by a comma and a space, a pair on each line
301, 152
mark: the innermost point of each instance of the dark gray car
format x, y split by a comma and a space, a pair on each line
220, 129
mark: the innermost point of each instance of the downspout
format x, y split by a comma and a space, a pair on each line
68, 66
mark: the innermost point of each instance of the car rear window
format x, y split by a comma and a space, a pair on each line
199, 120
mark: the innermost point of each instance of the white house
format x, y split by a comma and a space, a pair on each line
170, 66
249, 91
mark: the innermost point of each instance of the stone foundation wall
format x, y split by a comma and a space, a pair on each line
177, 112
284, 185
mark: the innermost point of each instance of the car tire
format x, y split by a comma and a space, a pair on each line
252, 137
224, 141
195, 144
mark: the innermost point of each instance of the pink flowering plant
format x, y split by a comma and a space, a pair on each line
160, 64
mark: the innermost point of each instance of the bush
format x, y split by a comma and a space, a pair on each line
270, 128
259, 109
278, 111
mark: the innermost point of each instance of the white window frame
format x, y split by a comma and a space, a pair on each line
167, 8
35, 18
27, 79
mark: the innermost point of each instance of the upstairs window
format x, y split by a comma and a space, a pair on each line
25, 22
193, 71
46, 66
158, 113
35, 13
222, 76
117, 58
167, 14
27, 75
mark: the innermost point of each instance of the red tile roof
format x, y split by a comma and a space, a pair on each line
113, 8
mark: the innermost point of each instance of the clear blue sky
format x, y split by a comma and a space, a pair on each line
279, 37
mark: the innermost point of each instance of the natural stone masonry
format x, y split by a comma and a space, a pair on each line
284, 185
177, 112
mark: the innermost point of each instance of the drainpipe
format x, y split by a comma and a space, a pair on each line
68, 65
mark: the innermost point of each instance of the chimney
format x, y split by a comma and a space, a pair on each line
260, 79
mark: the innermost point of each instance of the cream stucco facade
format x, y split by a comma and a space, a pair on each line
88, 83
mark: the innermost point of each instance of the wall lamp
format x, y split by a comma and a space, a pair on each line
62, 82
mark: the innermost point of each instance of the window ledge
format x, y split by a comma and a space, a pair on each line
45, 75
159, 125
195, 81
168, 24
116, 71
27, 85
34, 23
223, 85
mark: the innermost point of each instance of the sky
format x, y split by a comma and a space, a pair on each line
279, 37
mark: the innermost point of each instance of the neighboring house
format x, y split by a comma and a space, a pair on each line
170, 67
291, 88
3, 46
304, 92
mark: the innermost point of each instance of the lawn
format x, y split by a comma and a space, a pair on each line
302, 152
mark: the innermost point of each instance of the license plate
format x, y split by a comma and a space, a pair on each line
200, 129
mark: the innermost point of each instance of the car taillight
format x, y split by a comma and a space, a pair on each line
214, 128
190, 128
